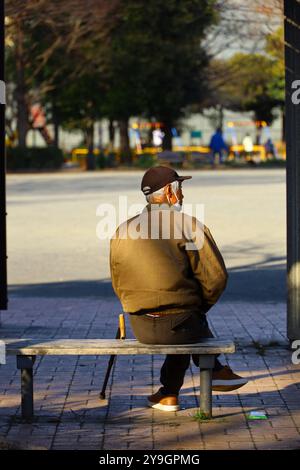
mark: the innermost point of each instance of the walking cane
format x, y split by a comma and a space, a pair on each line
121, 334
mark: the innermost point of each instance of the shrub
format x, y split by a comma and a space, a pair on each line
105, 161
146, 160
34, 158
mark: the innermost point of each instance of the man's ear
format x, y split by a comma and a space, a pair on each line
169, 191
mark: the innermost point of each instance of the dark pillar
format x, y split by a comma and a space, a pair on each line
3, 270
292, 68
25, 364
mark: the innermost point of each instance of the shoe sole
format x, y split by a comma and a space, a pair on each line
159, 406
218, 387
229, 382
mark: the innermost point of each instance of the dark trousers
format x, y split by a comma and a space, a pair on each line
179, 328
214, 155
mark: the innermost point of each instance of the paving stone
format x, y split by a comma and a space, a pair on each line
66, 389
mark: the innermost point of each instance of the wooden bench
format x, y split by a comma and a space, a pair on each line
26, 351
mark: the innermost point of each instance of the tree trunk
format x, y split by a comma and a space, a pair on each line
149, 140
100, 136
90, 160
56, 133
111, 134
167, 139
258, 132
220, 117
124, 142
55, 120
22, 120
22, 107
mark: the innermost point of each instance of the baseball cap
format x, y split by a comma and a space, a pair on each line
157, 177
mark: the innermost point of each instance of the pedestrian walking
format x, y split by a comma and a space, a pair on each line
217, 147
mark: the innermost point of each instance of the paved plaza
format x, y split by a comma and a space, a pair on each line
69, 414
59, 287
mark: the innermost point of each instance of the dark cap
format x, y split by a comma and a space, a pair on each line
159, 176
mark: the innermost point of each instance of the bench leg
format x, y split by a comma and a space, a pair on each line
206, 364
25, 363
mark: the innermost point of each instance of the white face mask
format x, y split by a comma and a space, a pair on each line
177, 206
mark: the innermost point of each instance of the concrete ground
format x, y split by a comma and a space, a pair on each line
53, 250
59, 287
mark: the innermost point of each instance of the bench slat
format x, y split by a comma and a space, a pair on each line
112, 346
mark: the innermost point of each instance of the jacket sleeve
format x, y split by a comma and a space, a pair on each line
113, 273
208, 268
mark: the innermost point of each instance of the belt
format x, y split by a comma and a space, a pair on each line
161, 312
169, 312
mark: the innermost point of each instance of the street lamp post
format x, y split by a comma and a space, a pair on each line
3, 269
292, 68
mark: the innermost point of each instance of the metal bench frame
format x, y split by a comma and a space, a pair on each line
26, 351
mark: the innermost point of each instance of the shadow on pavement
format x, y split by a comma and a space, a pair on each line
67, 289
246, 283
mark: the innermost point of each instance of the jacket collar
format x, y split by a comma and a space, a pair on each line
156, 207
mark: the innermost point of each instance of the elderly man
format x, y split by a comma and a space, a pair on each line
168, 272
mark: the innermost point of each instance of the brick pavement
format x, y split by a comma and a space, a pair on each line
69, 414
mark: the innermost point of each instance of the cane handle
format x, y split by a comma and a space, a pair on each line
122, 326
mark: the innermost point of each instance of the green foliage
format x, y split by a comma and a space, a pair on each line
34, 158
275, 44
275, 49
101, 161
149, 62
74, 100
146, 160
105, 161
155, 61
251, 82
200, 416
248, 89
58, 64
273, 163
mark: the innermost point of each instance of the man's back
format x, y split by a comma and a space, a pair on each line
167, 272
154, 262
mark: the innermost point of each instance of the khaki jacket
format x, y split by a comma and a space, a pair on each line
151, 268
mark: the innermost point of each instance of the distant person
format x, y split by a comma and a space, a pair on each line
157, 136
217, 146
248, 145
270, 148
